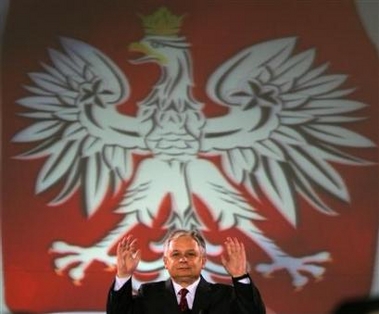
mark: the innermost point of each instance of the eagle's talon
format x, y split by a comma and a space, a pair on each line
319, 279
77, 259
268, 275
77, 282
59, 272
296, 267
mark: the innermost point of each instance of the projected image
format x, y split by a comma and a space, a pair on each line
264, 146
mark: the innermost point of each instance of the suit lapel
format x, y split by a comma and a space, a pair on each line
171, 303
202, 297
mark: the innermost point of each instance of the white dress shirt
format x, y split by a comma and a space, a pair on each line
191, 292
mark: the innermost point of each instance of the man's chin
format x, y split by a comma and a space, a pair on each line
185, 274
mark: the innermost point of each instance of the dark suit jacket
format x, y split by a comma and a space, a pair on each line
159, 298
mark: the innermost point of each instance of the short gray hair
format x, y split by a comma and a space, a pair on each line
194, 234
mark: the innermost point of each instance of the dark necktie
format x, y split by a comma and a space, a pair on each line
183, 305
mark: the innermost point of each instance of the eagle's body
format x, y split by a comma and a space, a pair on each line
172, 118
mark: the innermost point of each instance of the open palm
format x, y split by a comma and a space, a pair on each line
234, 258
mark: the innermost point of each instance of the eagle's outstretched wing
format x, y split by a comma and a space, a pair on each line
87, 142
285, 126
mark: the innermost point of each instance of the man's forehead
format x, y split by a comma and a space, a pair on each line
184, 242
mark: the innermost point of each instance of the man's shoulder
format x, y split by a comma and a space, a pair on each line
221, 286
215, 286
225, 287
154, 285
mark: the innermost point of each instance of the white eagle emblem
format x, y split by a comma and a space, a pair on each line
284, 128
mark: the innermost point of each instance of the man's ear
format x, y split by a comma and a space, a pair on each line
204, 260
165, 261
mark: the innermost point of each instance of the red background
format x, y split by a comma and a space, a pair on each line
216, 30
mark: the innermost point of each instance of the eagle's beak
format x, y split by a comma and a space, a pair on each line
149, 54
139, 47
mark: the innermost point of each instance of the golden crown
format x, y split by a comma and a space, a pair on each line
162, 22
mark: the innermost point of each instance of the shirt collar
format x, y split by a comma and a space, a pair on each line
191, 288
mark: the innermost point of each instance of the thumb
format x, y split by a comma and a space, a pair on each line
137, 255
223, 260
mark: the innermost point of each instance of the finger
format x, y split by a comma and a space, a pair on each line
137, 255
132, 245
223, 260
129, 239
243, 251
239, 248
120, 245
228, 246
236, 245
232, 245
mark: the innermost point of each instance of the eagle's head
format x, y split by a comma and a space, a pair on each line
162, 43
162, 50
173, 114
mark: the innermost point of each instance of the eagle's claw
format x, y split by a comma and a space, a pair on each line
297, 267
77, 259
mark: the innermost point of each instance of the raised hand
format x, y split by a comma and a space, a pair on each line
128, 256
234, 257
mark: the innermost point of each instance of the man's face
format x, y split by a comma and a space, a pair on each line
184, 260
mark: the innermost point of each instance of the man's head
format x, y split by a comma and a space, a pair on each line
184, 256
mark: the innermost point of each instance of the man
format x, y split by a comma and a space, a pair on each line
184, 257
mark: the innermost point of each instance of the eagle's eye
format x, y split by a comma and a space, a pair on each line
156, 44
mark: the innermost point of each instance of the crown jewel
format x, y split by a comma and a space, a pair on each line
162, 22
